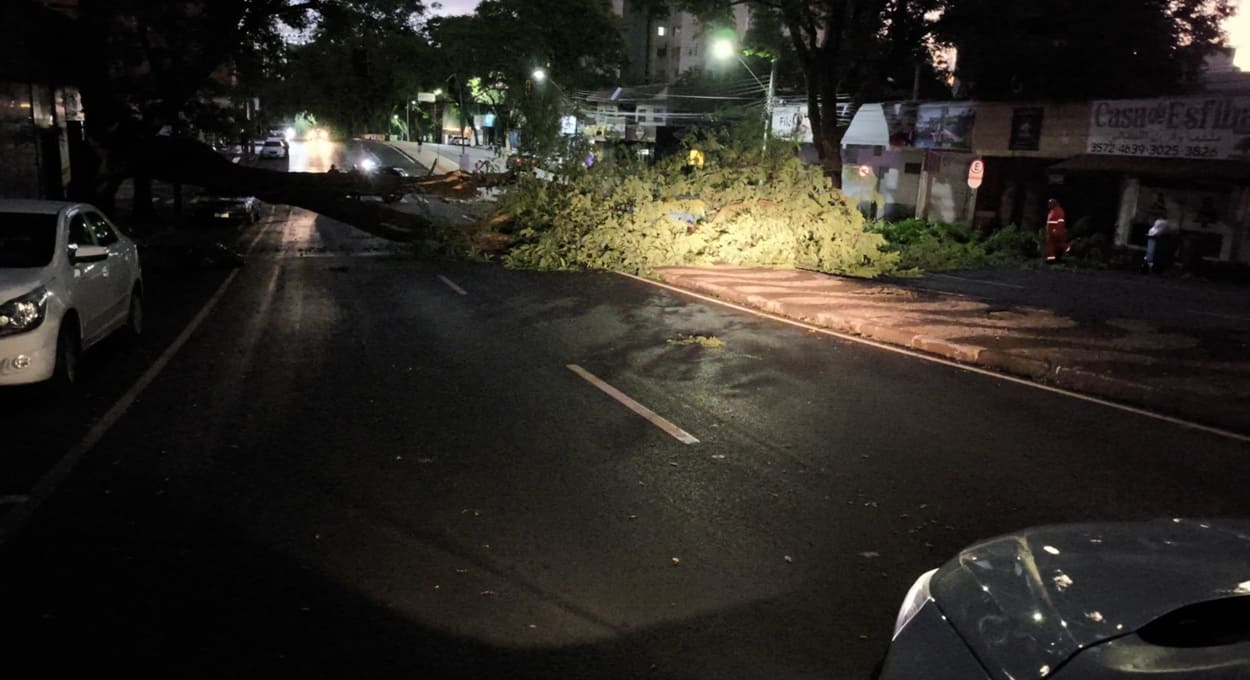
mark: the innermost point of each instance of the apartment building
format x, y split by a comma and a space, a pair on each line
661, 46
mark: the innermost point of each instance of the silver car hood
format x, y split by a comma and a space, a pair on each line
1025, 603
15, 282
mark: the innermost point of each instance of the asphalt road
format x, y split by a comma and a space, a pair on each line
360, 465
1168, 302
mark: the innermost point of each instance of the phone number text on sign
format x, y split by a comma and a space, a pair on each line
1158, 150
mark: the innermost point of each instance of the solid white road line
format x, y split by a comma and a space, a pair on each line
656, 419
452, 285
15, 520
980, 281
1219, 432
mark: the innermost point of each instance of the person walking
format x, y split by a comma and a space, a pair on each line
1056, 231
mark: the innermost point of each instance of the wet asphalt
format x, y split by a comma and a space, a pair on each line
352, 469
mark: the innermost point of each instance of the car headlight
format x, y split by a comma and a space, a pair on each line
917, 598
24, 313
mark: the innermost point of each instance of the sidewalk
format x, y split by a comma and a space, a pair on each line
1198, 371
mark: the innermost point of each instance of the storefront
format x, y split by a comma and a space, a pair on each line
1186, 159
904, 160
881, 169
1020, 143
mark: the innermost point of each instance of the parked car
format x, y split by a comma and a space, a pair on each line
68, 279
1129, 600
274, 148
207, 208
459, 140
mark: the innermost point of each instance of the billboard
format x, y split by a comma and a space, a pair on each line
945, 126
790, 122
1214, 127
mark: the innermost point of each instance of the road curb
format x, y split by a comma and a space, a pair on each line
1038, 370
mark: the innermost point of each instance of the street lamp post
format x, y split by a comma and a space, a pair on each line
723, 49
408, 116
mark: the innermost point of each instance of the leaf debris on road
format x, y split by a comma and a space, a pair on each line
709, 341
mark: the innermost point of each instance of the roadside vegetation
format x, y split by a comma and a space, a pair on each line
738, 206
936, 246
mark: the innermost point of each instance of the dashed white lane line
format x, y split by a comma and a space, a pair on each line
655, 418
16, 519
1180, 422
980, 281
452, 285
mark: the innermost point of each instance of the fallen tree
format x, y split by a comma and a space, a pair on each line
183, 161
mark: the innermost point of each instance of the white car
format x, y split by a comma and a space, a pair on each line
68, 278
273, 148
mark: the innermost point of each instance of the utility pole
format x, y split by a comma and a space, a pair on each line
768, 103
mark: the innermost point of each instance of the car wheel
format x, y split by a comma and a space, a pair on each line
134, 320
68, 353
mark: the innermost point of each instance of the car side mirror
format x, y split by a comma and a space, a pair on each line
85, 254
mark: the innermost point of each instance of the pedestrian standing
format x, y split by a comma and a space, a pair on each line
1157, 243
1056, 231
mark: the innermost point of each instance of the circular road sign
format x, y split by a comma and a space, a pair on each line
976, 173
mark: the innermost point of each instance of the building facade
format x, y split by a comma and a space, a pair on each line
1116, 165
662, 46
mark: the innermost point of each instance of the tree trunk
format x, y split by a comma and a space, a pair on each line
830, 133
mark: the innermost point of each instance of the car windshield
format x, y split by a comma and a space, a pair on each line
26, 239
273, 143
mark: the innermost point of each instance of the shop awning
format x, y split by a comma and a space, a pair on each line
1157, 167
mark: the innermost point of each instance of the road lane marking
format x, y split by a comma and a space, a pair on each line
1180, 422
655, 418
15, 520
452, 285
981, 281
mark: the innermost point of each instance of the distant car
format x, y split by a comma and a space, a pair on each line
460, 141
522, 162
274, 148
246, 209
1165, 599
68, 279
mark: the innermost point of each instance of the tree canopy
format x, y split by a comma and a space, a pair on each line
1072, 49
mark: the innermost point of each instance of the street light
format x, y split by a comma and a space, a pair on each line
539, 75
408, 117
722, 50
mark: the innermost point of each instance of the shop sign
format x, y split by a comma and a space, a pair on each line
1026, 129
1215, 127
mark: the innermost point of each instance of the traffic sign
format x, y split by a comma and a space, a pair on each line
865, 171
976, 173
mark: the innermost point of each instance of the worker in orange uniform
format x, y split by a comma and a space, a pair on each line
1056, 231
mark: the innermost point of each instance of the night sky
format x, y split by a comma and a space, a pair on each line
456, 6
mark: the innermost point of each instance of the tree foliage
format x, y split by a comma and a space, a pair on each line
490, 56
739, 208
848, 47
1072, 49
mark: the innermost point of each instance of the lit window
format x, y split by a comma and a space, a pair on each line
659, 30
